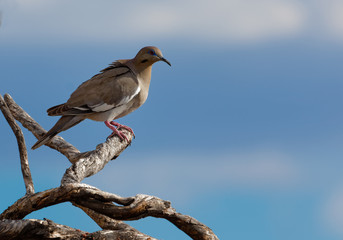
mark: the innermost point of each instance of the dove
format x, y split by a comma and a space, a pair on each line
113, 93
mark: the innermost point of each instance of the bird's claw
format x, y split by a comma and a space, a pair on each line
115, 127
119, 126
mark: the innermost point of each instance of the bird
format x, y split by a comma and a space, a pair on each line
113, 93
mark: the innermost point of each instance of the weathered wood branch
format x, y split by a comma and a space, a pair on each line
38, 229
24, 162
123, 230
57, 143
106, 209
96, 160
132, 208
69, 192
91, 162
146, 205
34, 229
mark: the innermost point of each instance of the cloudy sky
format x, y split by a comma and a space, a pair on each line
243, 132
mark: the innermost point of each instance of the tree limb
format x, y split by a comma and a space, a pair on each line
38, 229
145, 205
123, 230
24, 162
70, 192
109, 150
132, 208
57, 143
106, 209
96, 160
34, 229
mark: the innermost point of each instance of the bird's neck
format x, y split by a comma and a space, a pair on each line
142, 71
145, 74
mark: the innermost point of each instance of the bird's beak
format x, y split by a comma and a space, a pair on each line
165, 60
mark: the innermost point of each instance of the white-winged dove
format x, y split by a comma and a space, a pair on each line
115, 92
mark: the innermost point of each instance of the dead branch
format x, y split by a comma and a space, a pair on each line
30, 124
37, 229
24, 162
132, 208
108, 150
106, 209
146, 205
34, 229
69, 192
96, 160
122, 229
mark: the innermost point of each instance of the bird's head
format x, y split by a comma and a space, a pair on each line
149, 55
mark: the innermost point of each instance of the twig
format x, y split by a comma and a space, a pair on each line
25, 168
112, 147
57, 143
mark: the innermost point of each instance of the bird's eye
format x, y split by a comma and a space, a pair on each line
152, 52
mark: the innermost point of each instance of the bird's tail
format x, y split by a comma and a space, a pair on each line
62, 124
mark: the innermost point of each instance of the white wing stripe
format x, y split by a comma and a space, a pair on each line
81, 108
103, 107
129, 98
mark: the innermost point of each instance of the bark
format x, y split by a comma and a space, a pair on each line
30, 124
120, 229
34, 229
37, 229
24, 161
94, 161
108, 210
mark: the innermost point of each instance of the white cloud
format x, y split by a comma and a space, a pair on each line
217, 21
222, 22
332, 18
186, 175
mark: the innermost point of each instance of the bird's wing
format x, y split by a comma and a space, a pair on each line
113, 87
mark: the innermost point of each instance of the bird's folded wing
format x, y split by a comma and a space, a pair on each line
113, 87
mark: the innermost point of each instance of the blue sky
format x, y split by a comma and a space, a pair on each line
243, 132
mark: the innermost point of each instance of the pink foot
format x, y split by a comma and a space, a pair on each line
116, 131
118, 125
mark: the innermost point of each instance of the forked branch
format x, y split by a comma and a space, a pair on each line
30, 124
106, 209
